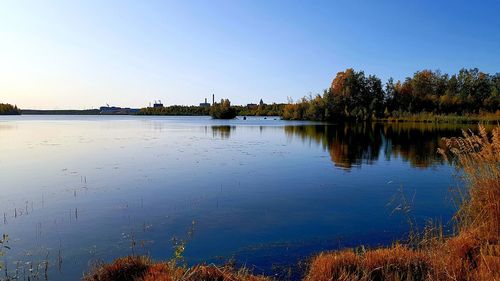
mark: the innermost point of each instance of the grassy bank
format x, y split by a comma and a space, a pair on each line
143, 269
473, 253
484, 118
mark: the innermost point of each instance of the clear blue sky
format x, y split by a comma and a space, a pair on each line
83, 54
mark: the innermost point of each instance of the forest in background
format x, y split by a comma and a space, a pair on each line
469, 96
355, 96
257, 110
428, 96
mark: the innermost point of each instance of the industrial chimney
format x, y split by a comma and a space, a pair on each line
213, 99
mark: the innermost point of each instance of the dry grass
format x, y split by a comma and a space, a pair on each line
122, 269
426, 117
143, 269
473, 254
479, 156
396, 263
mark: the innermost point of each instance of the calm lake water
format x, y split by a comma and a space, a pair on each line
266, 193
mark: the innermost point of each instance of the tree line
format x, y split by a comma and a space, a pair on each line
9, 109
257, 110
355, 96
180, 110
274, 109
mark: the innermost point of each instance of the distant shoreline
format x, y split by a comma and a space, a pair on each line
60, 112
491, 118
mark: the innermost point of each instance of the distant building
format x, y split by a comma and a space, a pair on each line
158, 104
114, 110
205, 104
254, 105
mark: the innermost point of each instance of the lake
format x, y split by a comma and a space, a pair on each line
265, 193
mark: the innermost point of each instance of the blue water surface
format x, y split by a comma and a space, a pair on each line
266, 193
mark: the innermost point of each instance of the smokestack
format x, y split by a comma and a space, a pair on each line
205, 100
213, 99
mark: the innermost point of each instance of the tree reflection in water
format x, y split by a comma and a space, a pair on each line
224, 131
352, 145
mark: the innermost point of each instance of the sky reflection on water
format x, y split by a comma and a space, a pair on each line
265, 192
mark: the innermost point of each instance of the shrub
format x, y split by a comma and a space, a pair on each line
223, 110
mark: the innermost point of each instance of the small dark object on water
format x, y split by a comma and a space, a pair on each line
244, 118
265, 117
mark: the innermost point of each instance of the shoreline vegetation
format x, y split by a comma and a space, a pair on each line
184, 110
223, 110
471, 96
179, 110
482, 118
472, 253
60, 112
9, 109
427, 96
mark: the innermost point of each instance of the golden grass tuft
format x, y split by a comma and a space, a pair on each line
122, 269
460, 258
479, 156
143, 269
396, 263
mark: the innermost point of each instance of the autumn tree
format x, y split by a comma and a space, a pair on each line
223, 110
